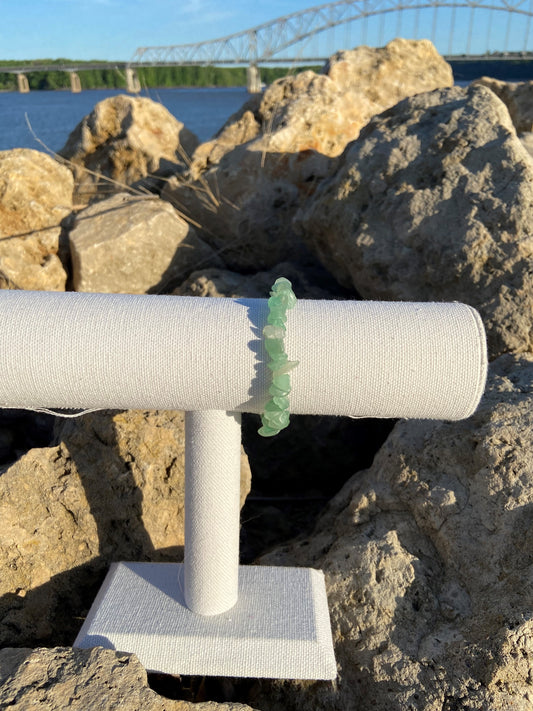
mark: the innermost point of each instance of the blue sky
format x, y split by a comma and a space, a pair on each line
113, 29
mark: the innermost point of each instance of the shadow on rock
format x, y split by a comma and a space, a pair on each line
112, 489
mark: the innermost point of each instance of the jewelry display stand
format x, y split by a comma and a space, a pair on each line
209, 616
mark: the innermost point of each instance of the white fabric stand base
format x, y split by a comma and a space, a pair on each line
279, 628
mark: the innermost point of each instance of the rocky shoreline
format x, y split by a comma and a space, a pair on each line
374, 179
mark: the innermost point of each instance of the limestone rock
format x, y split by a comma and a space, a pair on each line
243, 206
327, 111
84, 680
307, 283
134, 245
112, 489
124, 139
388, 74
35, 196
323, 112
243, 196
434, 202
240, 128
526, 139
427, 557
517, 96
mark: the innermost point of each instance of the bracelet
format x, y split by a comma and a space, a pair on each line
276, 414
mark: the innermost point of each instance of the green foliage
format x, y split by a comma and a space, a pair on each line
8, 82
149, 77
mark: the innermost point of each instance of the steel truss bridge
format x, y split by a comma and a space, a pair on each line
454, 26
460, 30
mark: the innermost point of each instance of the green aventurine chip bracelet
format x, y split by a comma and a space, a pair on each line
276, 414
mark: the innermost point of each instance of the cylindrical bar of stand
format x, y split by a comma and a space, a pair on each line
360, 358
212, 506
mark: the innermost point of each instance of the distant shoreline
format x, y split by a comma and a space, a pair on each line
166, 77
196, 77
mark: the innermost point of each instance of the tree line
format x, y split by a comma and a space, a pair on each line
149, 77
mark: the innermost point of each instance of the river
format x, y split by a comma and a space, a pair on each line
52, 115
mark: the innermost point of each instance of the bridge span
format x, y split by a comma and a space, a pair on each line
310, 36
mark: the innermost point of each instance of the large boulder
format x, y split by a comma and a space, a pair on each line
244, 186
323, 112
134, 245
243, 207
241, 127
428, 565
84, 680
122, 140
517, 96
35, 196
112, 489
327, 111
434, 201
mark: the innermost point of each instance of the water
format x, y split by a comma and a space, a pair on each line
54, 114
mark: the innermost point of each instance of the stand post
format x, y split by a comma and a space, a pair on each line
212, 510
207, 616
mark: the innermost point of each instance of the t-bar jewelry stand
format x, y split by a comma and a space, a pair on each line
210, 616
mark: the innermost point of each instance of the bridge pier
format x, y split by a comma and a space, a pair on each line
253, 79
133, 85
75, 83
22, 83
